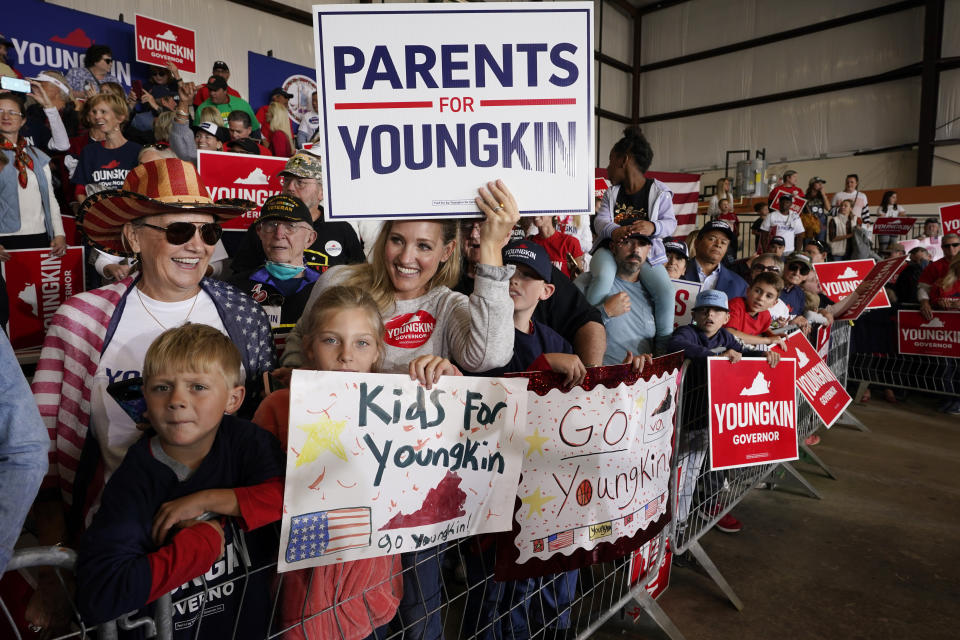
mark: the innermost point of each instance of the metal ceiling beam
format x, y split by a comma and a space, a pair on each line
805, 30
278, 9
659, 6
887, 76
929, 90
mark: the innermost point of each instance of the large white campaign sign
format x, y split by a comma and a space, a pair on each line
596, 465
377, 465
420, 104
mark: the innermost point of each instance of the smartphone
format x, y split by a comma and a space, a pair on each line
137, 88
14, 84
129, 395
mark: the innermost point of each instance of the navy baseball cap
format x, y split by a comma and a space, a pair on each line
712, 298
778, 241
718, 225
680, 248
531, 255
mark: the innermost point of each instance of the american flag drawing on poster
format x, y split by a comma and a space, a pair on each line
686, 194
560, 540
652, 507
324, 532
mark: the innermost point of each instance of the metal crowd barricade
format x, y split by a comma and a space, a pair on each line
929, 374
704, 496
568, 605
63, 560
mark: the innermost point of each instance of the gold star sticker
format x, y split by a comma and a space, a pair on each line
536, 442
322, 435
638, 403
536, 502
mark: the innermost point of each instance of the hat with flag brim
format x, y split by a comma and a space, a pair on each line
154, 188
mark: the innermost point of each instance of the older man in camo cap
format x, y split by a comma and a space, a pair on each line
336, 243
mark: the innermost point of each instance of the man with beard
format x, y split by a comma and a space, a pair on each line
626, 310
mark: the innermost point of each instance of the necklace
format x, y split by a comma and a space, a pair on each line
140, 298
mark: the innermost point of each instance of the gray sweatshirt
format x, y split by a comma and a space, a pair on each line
474, 332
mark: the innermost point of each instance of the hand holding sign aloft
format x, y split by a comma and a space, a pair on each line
502, 214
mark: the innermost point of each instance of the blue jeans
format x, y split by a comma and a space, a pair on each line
419, 608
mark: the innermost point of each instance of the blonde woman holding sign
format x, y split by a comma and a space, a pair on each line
413, 265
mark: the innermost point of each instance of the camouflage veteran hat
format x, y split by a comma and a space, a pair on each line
304, 165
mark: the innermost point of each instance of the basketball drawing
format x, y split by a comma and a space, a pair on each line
584, 493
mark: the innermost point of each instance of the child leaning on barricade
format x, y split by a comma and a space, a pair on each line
517, 609
704, 338
749, 316
342, 331
167, 516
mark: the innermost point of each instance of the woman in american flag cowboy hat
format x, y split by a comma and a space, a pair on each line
165, 217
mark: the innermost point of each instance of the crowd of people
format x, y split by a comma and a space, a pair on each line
151, 387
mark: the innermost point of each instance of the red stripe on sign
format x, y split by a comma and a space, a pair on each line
686, 198
539, 102
383, 105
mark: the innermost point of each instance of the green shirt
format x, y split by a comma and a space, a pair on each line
235, 104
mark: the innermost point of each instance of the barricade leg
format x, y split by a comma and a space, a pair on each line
701, 555
658, 615
796, 475
816, 460
850, 420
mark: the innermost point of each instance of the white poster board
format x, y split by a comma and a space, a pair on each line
596, 465
421, 104
377, 465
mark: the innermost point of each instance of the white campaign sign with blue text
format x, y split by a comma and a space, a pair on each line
420, 104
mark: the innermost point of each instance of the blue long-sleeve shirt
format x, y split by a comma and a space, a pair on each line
696, 345
23, 450
113, 569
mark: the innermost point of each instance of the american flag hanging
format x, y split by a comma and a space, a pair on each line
560, 540
686, 195
324, 532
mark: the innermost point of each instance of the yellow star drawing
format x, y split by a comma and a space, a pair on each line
536, 442
536, 502
322, 435
638, 401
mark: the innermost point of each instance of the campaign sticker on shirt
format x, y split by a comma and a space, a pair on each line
409, 330
333, 248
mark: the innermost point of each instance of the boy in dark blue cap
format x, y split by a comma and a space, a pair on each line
511, 606
536, 347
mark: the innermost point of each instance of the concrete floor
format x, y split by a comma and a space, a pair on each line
878, 557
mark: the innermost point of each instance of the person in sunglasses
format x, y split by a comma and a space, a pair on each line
797, 267
97, 68
935, 271
165, 216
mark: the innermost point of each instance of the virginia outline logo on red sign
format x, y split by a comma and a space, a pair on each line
753, 412
409, 330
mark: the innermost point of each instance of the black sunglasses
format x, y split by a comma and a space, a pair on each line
182, 232
950, 245
108, 60
799, 266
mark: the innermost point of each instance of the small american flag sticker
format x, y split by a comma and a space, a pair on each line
652, 507
324, 532
560, 540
